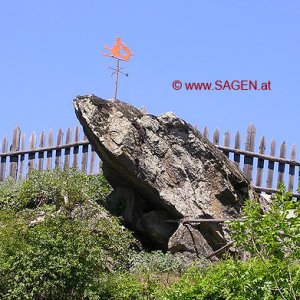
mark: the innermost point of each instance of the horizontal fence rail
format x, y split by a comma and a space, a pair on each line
262, 167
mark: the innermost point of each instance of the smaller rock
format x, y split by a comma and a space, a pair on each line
37, 220
188, 239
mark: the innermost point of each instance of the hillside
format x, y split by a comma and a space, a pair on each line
59, 242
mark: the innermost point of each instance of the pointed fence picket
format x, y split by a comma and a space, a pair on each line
47, 151
237, 146
260, 162
292, 169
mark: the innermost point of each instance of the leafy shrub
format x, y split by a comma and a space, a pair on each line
98, 188
274, 234
156, 261
57, 242
124, 286
9, 190
241, 280
62, 188
59, 258
272, 239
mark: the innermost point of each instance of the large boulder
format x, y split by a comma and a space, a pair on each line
162, 168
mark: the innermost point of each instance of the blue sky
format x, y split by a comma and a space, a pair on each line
50, 52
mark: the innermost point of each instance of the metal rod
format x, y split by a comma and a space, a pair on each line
219, 250
205, 220
117, 78
201, 220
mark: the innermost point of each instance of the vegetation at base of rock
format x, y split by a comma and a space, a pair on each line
230, 279
271, 240
57, 241
61, 188
272, 235
58, 258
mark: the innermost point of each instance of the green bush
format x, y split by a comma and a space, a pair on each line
124, 286
98, 188
157, 262
272, 240
57, 242
242, 280
9, 190
62, 188
59, 258
274, 234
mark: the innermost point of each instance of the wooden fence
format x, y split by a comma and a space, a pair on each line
46, 153
264, 169
265, 172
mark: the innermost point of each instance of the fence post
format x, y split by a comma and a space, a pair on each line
3, 159
84, 156
31, 156
237, 145
260, 162
227, 142
292, 169
58, 151
248, 160
67, 150
49, 152
22, 157
281, 166
14, 158
41, 153
205, 132
271, 166
216, 137
76, 148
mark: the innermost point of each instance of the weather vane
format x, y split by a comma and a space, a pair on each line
118, 51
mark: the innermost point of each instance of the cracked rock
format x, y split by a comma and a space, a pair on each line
167, 170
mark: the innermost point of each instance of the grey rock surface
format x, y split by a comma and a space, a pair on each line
164, 164
188, 239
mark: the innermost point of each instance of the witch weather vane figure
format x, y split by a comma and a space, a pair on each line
118, 51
